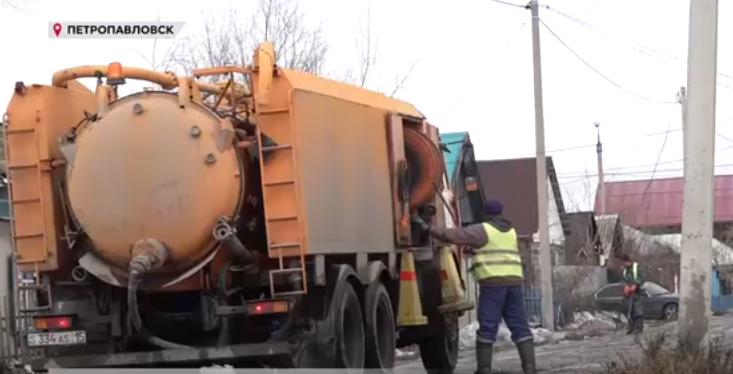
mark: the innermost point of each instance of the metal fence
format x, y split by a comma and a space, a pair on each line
533, 306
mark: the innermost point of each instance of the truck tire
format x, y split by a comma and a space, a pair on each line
439, 344
380, 327
439, 354
348, 327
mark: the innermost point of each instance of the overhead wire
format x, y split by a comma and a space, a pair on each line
510, 4
638, 48
609, 80
578, 174
633, 45
501, 53
593, 145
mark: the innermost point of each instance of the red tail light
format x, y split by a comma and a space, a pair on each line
52, 323
268, 307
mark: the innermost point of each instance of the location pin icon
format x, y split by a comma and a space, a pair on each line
57, 29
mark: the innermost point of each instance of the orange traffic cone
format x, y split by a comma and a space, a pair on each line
454, 296
409, 312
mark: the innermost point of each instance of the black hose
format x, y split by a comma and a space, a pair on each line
134, 314
282, 333
239, 249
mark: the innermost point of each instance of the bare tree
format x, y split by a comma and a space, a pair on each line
573, 288
19, 5
369, 56
231, 38
368, 52
300, 44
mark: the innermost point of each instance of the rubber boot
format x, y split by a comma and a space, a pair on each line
483, 357
526, 355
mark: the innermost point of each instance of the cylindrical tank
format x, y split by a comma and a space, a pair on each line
151, 169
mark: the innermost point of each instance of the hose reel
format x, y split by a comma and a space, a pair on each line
425, 168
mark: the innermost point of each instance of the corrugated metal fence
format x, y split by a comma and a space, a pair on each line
722, 303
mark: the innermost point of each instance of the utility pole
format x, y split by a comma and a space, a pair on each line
601, 178
548, 308
697, 219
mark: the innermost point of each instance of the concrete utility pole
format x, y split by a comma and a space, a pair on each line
548, 309
697, 219
601, 178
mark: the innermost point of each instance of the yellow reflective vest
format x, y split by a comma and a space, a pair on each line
500, 257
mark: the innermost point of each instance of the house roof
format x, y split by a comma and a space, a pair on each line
514, 183
658, 202
454, 142
647, 244
609, 232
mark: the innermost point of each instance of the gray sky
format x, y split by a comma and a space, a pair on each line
474, 72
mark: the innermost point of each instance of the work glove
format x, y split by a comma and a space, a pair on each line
469, 251
417, 221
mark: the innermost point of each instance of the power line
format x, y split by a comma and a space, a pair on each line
656, 164
633, 45
510, 4
577, 147
609, 80
585, 175
667, 162
501, 53
593, 145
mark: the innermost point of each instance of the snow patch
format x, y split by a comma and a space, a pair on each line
404, 354
596, 321
217, 369
468, 335
583, 322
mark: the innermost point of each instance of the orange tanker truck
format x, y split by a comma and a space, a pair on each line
262, 220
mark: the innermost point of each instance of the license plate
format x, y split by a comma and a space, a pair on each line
42, 339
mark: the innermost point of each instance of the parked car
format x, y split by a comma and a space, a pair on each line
659, 303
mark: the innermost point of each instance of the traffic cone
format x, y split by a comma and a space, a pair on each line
454, 296
410, 307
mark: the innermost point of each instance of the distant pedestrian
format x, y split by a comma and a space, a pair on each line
633, 293
497, 267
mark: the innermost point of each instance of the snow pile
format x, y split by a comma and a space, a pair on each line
468, 335
15, 367
596, 321
406, 353
217, 369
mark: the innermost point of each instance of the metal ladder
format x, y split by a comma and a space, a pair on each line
279, 177
26, 290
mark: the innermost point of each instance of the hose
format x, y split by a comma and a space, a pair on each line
138, 266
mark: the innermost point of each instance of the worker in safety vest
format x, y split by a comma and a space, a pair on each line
633, 294
497, 267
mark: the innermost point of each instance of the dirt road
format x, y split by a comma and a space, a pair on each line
581, 356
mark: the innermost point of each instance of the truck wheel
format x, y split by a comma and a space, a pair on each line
380, 327
349, 328
439, 353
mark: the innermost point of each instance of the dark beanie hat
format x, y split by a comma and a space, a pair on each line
494, 207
